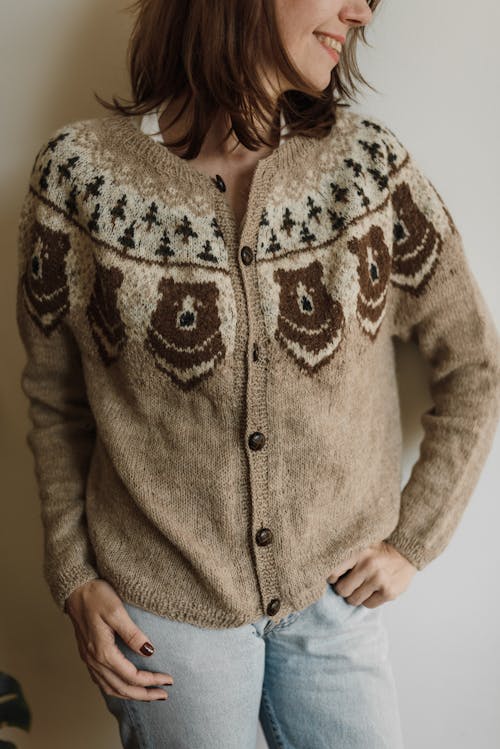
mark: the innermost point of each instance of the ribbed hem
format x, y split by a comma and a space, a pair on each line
308, 588
203, 616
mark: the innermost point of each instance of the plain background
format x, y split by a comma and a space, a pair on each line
435, 66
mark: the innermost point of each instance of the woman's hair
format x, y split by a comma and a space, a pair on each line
212, 52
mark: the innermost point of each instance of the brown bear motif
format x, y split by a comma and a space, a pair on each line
103, 314
184, 334
310, 322
416, 245
374, 268
44, 281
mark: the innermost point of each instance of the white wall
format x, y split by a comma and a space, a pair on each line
436, 68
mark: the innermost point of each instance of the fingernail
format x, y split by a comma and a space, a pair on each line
147, 649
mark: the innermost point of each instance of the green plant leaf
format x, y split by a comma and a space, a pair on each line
14, 710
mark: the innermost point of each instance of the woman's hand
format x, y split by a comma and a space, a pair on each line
376, 574
97, 612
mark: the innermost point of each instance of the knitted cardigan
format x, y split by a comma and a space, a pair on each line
214, 413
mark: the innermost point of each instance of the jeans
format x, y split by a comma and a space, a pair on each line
320, 678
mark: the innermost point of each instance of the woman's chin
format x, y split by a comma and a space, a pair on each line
322, 81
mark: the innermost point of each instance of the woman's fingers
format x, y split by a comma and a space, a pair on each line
119, 621
109, 657
116, 687
98, 615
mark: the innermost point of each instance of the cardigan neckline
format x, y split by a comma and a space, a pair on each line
291, 151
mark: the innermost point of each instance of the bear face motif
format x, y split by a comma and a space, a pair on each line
184, 333
416, 246
44, 281
310, 322
374, 269
103, 314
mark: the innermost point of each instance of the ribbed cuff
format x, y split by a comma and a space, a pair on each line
409, 547
63, 584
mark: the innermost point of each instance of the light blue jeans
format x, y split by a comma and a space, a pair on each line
318, 679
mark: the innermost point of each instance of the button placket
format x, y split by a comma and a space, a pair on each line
257, 424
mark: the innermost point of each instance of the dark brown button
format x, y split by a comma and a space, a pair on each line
255, 351
246, 254
273, 606
219, 183
256, 440
264, 536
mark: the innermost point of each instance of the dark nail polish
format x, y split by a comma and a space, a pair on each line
147, 649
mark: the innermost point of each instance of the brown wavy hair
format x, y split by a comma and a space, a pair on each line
209, 52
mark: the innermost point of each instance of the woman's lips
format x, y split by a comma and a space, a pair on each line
332, 52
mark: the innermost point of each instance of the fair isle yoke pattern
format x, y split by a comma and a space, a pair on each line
310, 331
128, 225
203, 383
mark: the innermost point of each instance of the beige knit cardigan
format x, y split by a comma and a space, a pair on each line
214, 414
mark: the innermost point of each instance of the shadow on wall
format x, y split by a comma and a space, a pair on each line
414, 398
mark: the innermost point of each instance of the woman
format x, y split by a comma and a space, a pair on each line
209, 322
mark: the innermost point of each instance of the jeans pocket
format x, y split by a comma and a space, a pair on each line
337, 605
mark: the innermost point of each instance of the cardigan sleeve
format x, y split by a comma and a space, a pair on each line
62, 429
436, 302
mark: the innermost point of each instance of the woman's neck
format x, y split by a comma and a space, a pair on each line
230, 151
